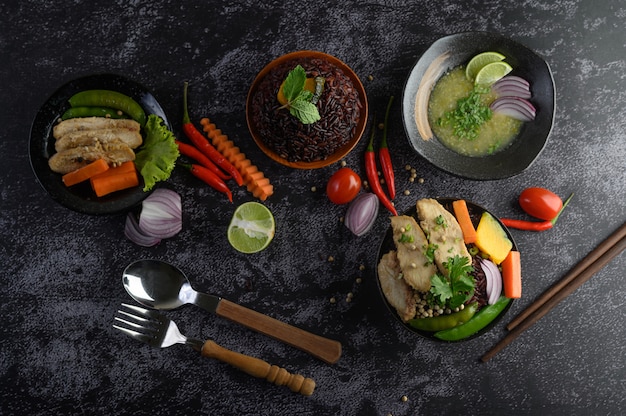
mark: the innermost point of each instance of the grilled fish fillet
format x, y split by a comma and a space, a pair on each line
92, 123
442, 229
89, 137
114, 152
411, 245
397, 292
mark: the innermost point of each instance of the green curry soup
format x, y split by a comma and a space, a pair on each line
493, 135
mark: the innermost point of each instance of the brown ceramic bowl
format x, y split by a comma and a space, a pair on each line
269, 128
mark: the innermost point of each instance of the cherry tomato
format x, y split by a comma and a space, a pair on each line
343, 186
540, 203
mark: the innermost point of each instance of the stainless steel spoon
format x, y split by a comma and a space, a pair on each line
160, 285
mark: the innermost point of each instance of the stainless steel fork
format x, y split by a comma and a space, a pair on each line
156, 329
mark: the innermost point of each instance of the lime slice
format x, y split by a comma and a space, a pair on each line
492, 72
252, 228
479, 61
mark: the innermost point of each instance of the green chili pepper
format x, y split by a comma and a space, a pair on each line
478, 322
75, 112
112, 99
441, 322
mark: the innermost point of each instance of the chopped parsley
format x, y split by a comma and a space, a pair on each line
470, 113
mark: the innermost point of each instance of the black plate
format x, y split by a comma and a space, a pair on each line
81, 198
455, 50
387, 244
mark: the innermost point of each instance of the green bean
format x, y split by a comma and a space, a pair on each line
112, 99
441, 322
75, 112
483, 318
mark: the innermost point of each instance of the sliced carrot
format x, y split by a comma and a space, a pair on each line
115, 179
512, 275
463, 217
255, 180
84, 173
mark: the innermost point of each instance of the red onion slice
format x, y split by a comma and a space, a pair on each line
517, 108
494, 280
512, 86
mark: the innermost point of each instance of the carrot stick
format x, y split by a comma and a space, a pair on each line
116, 179
84, 173
512, 275
254, 179
462, 216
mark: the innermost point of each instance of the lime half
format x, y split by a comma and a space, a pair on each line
479, 61
252, 228
492, 72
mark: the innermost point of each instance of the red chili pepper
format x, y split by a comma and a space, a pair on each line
534, 225
372, 174
385, 158
209, 178
192, 152
203, 144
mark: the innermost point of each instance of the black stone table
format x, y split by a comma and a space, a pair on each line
61, 270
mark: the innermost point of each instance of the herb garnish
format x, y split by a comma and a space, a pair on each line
470, 113
298, 98
455, 289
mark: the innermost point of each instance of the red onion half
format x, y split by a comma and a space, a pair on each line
494, 280
160, 217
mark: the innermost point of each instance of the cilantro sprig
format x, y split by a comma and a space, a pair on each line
455, 289
298, 98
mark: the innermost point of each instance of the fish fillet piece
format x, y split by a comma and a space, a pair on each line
114, 152
442, 229
411, 245
89, 137
92, 123
397, 292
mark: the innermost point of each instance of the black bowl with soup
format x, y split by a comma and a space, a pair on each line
440, 61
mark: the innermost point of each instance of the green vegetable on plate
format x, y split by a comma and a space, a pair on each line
479, 321
441, 322
157, 157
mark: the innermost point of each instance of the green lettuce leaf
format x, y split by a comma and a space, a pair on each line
157, 157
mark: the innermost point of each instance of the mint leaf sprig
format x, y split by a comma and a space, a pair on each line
298, 98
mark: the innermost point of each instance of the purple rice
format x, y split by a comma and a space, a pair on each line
339, 107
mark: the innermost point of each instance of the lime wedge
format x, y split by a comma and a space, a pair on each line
479, 61
252, 228
492, 72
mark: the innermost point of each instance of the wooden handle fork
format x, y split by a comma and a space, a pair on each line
259, 368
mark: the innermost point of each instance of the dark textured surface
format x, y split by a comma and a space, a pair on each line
61, 271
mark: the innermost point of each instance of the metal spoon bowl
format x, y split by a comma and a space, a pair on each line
160, 285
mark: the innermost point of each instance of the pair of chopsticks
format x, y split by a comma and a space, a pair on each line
583, 271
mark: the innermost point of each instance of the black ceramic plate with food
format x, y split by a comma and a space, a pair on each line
456, 50
81, 197
388, 244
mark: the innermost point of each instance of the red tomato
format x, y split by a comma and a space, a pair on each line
540, 203
343, 186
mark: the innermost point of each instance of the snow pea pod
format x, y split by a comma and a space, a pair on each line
441, 322
112, 99
480, 320
75, 112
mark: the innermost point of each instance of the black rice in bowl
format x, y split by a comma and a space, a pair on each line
340, 108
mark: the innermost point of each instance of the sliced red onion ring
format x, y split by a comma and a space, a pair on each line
494, 280
512, 86
362, 213
134, 233
161, 214
517, 108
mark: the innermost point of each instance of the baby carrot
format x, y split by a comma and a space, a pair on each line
116, 179
512, 275
462, 216
84, 173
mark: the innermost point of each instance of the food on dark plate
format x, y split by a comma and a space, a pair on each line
339, 107
436, 276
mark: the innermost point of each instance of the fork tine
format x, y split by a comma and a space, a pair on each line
134, 334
